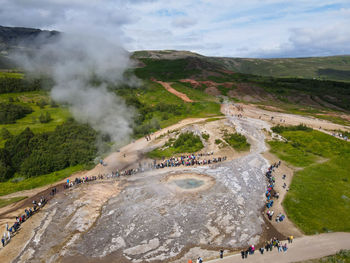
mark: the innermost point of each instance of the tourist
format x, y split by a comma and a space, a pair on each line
285, 247
279, 247
8, 236
243, 254
221, 253
261, 250
291, 239
3, 241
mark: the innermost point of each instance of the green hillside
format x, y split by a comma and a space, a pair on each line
326, 68
330, 68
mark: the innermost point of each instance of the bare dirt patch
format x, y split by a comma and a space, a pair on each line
179, 94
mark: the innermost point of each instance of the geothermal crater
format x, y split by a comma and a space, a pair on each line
189, 183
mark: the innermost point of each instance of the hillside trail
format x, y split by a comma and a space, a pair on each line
168, 87
303, 248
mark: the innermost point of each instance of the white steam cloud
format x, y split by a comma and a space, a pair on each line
82, 67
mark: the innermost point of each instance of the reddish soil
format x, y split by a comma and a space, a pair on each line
179, 94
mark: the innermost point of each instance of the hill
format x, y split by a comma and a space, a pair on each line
21, 37
326, 68
299, 95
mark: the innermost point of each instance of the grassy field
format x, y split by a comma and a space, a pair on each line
5, 202
319, 196
343, 256
192, 93
12, 185
58, 114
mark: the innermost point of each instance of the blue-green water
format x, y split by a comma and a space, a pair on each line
189, 183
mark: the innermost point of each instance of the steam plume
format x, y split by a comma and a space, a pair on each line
76, 63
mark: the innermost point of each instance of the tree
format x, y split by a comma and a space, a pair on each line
6, 170
18, 147
5, 134
45, 118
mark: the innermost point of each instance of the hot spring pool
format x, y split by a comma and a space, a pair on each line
189, 183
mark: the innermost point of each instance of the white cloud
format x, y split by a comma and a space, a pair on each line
220, 28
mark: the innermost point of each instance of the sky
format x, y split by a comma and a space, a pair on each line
236, 28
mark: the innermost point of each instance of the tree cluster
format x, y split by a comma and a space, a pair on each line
9, 112
32, 154
11, 85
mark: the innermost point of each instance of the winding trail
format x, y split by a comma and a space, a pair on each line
303, 248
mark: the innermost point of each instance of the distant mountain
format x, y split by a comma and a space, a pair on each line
23, 38
330, 68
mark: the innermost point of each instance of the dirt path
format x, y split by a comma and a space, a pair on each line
287, 227
288, 119
179, 94
303, 248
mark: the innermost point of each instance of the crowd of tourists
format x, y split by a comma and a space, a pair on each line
271, 193
269, 245
10, 231
187, 160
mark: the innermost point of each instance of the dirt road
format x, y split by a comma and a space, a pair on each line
287, 119
179, 94
303, 248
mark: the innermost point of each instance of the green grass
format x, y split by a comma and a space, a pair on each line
11, 75
58, 114
12, 186
185, 143
343, 256
6, 202
319, 196
156, 105
237, 141
192, 93
213, 119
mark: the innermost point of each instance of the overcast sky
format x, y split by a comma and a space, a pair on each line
250, 28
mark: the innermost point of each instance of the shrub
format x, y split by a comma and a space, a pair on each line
45, 118
218, 141
237, 141
205, 136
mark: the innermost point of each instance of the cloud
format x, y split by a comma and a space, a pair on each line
220, 28
312, 41
184, 22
